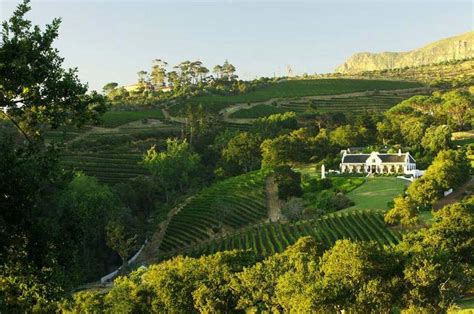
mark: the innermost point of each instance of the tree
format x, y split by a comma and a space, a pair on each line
158, 73
198, 122
119, 240
278, 151
35, 90
348, 136
256, 286
109, 87
453, 230
275, 125
458, 109
242, 153
228, 70
352, 276
173, 168
289, 182
218, 71
143, 78
86, 208
403, 211
450, 168
436, 138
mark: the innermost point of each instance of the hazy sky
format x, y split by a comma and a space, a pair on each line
113, 40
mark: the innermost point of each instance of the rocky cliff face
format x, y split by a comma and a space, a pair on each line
453, 48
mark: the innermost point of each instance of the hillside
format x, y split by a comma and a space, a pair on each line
289, 90
459, 72
452, 48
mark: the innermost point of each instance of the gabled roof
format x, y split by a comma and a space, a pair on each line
385, 158
355, 158
392, 157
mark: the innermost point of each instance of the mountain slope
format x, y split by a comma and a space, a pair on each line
452, 48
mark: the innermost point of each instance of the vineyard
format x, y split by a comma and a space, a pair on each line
354, 105
293, 89
269, 238
347, 104
227, 205
113, 155
107, 167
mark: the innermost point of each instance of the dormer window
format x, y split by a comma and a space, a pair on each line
373, 160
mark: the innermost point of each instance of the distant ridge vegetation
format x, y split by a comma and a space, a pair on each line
448, 49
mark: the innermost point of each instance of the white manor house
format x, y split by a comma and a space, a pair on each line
375, 162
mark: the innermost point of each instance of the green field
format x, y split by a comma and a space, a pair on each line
114, 119
226, 205
256, 112
294, 89
376, 193
269, 238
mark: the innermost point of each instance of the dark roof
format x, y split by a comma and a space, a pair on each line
355, 158
386, 158
392, 157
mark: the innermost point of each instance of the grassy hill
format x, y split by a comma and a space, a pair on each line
293, 89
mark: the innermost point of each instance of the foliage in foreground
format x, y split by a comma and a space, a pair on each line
426, 272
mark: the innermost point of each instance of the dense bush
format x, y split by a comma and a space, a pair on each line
288, 182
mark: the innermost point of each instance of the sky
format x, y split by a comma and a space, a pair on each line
110, 41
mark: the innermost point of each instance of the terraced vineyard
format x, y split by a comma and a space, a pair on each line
107, 167
227, 205
293, 89
269, 238
353, 104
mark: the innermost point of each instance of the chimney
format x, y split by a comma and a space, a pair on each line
399, 152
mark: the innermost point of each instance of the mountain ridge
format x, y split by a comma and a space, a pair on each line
452, 48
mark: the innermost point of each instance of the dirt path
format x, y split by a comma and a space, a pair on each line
151, 250
454, 197
226, 112
273, 203
172, 118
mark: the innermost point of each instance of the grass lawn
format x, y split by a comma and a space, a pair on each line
465, 306
347, 184
114, 119
344, 184
376, 193
256, 112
